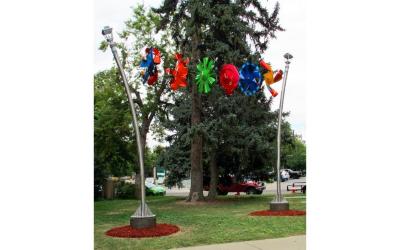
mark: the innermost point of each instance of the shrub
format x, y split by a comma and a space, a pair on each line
125, 190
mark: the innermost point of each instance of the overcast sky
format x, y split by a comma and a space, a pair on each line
292, 17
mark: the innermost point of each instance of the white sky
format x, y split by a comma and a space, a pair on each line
292, 17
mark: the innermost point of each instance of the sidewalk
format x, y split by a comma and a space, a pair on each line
289, 243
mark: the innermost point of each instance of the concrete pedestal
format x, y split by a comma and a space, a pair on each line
279, 205
143, 222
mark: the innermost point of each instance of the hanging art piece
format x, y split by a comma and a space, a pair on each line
249, 79
179, 74
270, 78
149, 65
228, 78
205, 77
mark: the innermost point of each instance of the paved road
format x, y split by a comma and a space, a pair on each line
270, 188
288, 243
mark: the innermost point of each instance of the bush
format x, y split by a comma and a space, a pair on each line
125, 190
270, 180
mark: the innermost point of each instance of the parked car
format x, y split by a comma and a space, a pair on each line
228, 184
284, 175
149, 179
152, 189
294, 174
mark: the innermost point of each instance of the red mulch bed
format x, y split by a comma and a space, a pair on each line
129, 232
278, 213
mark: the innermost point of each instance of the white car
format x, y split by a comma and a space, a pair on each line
285, 175
149, 180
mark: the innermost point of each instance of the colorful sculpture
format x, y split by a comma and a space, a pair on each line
179, 74
249, 79
269, 77
228, 78
149, 65
205, 77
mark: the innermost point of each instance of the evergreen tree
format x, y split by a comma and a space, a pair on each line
225, 31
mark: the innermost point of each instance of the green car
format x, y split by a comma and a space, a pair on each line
152, 189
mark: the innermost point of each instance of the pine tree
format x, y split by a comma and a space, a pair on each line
225, 31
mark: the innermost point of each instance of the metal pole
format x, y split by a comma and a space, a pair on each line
143, 211
279, 203
137, 132
278, 159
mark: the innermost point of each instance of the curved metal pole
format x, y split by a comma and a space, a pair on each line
135, 123
137, 132
278, 159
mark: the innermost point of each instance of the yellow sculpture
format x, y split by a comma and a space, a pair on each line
269, 77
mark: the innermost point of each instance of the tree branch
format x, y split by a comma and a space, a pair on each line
157, 99
166, 103
138, 99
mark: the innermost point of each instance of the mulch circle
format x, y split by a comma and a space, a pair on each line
129, 232
278, 213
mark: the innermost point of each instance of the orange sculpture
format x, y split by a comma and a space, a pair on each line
270, 78
180, 72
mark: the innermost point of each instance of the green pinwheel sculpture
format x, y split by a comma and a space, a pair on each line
205, 77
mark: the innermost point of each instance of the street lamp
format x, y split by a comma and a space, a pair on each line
279, 203
143, 217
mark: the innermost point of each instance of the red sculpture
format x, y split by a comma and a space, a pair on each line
179, 73
228, 78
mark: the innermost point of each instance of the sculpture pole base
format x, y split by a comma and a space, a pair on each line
279, 205
143, 222
143, 218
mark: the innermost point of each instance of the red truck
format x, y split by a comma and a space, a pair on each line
228, 184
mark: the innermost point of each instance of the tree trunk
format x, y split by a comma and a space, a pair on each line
145, 126
196, 150
212, 194
143, 137
196, 172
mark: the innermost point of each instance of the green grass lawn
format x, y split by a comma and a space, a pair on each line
225, 220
